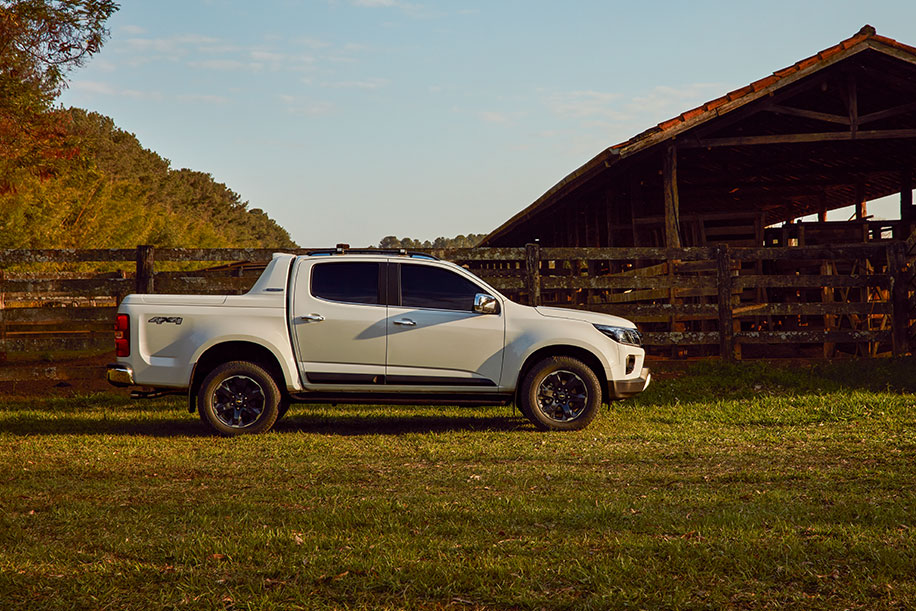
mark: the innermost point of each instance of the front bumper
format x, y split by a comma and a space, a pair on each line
120, 375
623, 389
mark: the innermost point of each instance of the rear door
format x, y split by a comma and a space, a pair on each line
435, 339
339, 323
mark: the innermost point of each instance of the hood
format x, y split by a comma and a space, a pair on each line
593, 317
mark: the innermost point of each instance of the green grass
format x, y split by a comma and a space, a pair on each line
744, 486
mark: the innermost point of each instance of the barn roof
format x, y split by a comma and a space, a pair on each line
684, 125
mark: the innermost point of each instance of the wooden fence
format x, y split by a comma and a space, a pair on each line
813, 301
818, 301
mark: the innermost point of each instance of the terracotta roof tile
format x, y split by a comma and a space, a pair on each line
807, 62
739, 93
713, 104
763, 83
894, 43
865, 33
692, 113
828, 53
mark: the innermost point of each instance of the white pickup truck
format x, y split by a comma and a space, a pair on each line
373, 326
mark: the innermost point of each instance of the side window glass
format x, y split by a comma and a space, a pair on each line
347, 282
434, 287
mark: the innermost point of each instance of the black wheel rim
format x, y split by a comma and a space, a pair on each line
238, 402
562, 396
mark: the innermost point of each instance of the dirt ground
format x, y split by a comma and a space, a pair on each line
63, 378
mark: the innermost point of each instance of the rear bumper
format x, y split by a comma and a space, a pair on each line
120, 375
622, 389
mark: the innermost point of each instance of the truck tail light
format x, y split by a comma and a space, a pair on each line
122, 335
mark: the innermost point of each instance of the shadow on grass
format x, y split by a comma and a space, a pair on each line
344, 425
76, 425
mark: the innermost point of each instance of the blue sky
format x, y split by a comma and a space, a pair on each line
350, 120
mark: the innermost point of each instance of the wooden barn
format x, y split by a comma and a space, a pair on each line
833, 130
692, 227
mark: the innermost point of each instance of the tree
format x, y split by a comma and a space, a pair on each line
40, 41
119, 194
69, 178
461, 241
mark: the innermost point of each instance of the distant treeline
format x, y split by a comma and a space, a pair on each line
461, 241
71, 178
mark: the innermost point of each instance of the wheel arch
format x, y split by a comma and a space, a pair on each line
582, 354
236, 350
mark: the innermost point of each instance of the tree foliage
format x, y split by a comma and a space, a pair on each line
117, 194
40, 41
460, 241
71, 178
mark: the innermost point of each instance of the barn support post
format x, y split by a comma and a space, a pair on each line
725, 284
145, 272
672, 205
897, 268
852, 103
672, 231
906, 202
533, 273
861, 211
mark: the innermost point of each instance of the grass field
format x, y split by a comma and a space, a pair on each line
746, 486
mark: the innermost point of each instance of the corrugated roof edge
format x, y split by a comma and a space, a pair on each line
712, 109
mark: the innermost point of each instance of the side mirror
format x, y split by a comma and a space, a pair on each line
486, 304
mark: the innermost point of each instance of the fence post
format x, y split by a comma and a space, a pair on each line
897, 269
726, 320
2, 320
145, 272
533, 273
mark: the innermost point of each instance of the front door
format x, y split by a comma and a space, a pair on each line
435, 339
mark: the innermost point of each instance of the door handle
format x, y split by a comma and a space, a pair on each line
405, 322
312, 318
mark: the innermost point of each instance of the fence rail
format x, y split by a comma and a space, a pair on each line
817, 301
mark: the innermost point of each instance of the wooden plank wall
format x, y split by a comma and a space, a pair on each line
815, 301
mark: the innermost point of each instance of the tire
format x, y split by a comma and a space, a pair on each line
238, 398
560, 393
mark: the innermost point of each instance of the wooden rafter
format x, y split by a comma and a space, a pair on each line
887, 113
814, 177
775, 98
891, 79
808, 114
889, 134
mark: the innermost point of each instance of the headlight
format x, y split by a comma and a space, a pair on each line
622, 335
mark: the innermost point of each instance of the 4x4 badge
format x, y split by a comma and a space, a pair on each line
165, 319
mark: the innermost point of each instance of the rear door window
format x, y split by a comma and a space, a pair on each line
347, 282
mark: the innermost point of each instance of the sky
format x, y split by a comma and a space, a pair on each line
350, 120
